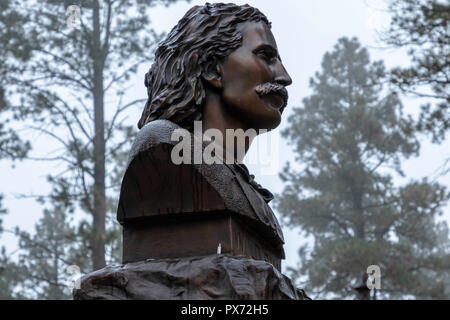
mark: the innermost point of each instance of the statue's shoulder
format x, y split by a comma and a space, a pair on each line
153, 185
152, 135
154, 144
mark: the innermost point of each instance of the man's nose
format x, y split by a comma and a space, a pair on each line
281, 75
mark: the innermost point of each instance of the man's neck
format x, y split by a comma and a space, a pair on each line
215, 116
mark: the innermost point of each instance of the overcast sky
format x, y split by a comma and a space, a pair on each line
304, 31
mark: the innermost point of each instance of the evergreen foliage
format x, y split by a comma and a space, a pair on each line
69, 84
350, 137
423, 27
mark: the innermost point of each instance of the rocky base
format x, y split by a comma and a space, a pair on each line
193, 278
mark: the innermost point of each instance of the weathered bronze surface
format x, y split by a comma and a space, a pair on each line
186, 236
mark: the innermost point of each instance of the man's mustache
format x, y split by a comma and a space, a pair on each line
273, 88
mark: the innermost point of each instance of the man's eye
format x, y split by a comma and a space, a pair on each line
268, 57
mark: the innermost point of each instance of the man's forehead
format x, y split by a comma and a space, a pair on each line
257, 34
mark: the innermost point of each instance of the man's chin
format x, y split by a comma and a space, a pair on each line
268, 123
274, 118
274, 125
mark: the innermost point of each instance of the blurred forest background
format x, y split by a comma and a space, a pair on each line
350, 137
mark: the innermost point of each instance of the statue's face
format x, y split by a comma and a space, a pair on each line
254, 63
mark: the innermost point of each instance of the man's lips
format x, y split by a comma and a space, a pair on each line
276, 100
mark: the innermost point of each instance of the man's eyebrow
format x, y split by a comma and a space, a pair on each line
268, 47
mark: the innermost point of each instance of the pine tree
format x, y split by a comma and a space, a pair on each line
350, 137
11, 146
10, 277
72, 89
422, 26
46, 255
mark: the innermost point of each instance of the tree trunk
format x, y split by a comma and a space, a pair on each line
99, 214
363, 293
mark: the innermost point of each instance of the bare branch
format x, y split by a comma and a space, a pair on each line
87, 86
123, 74
118, 111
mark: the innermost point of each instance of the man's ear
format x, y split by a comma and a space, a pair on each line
213, 74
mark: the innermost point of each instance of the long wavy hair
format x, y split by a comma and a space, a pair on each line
204, 36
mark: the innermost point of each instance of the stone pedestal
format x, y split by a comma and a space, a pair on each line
195, 278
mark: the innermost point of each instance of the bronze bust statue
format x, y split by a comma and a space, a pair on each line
220, 65
195, 228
